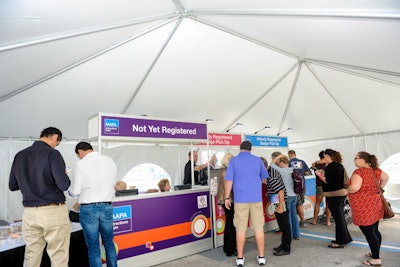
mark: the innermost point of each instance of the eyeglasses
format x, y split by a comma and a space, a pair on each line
356, 158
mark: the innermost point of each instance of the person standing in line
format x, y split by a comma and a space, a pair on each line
39, 172
335, 194
94, 178
230, 231
365, 202
245, 175
273, 156
281, 165
277, 187
320, 165
301, 165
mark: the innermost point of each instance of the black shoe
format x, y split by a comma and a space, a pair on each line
277, 249
334, 242
281, 253
230, 254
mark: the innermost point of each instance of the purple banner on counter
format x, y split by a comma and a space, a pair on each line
170, 210
148, 128
151, 224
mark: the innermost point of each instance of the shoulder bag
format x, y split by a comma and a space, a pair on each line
387, 209
346, 178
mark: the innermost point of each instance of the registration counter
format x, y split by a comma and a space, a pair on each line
154, 228
12, 251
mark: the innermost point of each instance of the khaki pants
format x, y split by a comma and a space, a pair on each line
46, 225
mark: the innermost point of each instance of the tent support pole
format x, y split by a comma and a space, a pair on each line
150, 68
263, 95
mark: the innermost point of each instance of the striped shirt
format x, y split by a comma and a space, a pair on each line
275, 183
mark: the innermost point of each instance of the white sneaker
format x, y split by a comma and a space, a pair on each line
261, 260
240, 262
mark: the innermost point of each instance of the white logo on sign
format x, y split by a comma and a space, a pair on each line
202, 202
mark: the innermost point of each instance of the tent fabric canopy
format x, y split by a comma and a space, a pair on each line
327, 69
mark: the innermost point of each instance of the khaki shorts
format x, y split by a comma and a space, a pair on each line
319, 191
244, 211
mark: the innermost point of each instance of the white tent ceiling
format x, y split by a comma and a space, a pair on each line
326, 69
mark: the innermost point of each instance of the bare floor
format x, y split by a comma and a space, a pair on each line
311, 250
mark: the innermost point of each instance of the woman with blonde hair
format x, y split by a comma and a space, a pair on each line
365, 202
281, 165
230, 231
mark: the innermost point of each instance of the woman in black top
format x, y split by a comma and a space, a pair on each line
333, 184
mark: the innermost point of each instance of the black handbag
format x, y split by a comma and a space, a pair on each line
73, 216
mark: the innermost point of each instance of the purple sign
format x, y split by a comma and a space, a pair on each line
161, 222
147, 128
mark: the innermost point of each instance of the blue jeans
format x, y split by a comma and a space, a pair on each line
98, 218
293, 218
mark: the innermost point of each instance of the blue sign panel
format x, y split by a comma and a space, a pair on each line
122, 219
267, 141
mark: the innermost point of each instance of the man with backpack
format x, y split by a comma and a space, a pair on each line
300, 169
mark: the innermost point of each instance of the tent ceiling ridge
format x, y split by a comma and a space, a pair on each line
344, 137
30, 138
80, 32
180, 7
79, 62
263, 95
151, 66
341, 68
334, 98
289, 101
348, 66
305, 13
244, 37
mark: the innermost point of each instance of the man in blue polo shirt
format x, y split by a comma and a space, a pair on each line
245, 175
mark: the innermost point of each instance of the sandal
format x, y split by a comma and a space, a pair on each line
334, 245
369, 263
313, 223
369, 255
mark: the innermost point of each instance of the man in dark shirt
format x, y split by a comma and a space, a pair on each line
197, 169
39, 172
302, 166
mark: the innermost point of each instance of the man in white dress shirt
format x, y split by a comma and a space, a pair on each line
94, 179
